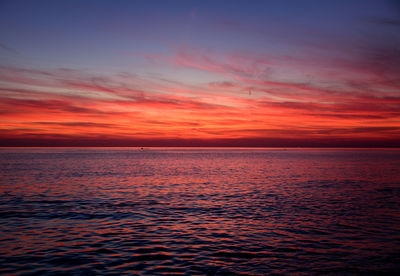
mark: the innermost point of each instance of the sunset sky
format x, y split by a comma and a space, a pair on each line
200, 73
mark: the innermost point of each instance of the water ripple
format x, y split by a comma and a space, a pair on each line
196, 212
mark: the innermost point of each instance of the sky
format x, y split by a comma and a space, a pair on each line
200, 73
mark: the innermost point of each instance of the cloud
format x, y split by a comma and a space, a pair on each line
9, 49
133, 108
76, 124
223, 84
385, 21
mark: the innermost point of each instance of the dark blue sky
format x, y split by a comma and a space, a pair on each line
57, 33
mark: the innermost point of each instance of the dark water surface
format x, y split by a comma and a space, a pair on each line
86, 211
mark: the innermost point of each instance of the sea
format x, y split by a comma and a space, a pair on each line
199, 211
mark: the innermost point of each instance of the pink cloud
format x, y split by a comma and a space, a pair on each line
169, 109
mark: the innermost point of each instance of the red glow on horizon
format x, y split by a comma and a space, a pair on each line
65, 107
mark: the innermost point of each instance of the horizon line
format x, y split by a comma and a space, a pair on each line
212, 147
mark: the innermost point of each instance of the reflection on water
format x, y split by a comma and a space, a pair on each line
199, 211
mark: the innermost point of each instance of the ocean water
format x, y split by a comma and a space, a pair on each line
159, 211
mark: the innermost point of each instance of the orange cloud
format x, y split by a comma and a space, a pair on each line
68, 107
